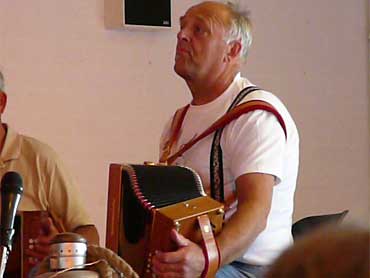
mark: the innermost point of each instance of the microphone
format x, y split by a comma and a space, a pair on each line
11, 192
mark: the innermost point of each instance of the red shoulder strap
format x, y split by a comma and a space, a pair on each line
176, 124
221, 122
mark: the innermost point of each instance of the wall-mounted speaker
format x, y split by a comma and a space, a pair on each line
137, 13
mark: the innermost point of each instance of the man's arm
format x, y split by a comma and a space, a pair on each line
89, 232
254, 193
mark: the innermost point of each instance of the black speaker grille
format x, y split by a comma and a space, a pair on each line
148, 12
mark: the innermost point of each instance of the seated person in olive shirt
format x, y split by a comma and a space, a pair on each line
47, 185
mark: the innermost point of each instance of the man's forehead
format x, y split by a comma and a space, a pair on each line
197, 16
1, 81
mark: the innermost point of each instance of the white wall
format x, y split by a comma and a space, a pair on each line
100, 96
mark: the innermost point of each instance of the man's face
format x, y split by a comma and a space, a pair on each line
201, 48
3, 99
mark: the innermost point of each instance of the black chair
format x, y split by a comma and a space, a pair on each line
310, 223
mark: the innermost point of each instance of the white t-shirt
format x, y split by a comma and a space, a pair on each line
255, 142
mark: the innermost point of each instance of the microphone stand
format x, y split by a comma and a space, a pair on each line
4, 258
5, 249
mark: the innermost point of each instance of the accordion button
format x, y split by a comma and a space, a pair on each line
177, 225
220, 211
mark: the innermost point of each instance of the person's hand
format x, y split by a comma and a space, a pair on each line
40, 247
186, 262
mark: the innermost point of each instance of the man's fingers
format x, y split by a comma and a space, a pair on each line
43, 250
43, 240
169, 270
53, 229
169, 257
186, 262
39, 249
48, 227
179, 239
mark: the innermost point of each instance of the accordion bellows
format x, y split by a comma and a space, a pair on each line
145, 202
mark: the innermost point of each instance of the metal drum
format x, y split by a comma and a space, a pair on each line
67, 250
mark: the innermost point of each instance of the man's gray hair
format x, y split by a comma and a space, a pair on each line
2, 85
240, 28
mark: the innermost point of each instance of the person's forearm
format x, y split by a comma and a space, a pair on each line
240, 231
89, 232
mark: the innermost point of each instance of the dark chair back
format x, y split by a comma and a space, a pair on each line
310, 223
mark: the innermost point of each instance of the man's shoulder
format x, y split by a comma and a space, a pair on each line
33, 146
267, 96
261, 94
277, 103
257, 93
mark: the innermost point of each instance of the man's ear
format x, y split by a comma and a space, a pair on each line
234, 49
3, 100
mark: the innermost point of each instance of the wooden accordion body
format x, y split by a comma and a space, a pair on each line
145, 202
27, 225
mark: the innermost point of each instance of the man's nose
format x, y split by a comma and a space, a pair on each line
182, 35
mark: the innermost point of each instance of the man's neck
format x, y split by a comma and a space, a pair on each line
205, 91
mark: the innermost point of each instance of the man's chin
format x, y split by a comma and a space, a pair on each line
180, 71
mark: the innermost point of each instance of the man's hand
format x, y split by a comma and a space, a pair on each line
186, 262
89, 232
40, 248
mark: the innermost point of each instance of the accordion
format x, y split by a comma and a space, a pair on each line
145, 202
27, 225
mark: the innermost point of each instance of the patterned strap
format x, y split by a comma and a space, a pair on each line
216, 161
